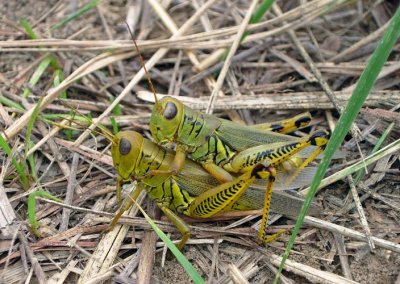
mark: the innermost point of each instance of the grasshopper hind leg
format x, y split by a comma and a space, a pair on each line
286, 125
263, 172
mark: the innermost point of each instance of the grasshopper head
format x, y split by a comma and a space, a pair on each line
125, 151
165, 119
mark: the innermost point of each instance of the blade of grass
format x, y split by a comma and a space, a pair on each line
117, 110
28, 142
75, 15
38, 74
31, 122
364, 85
32, 163
19, 168
48, 60
7, 102
32, 208
114, 125
58, 78
377, 146
27, 27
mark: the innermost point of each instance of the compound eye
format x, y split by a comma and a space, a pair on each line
124, 146
170, 111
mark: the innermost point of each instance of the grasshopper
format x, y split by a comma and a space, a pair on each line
190, 192
223, 147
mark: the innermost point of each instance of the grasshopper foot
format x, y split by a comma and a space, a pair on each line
269, 239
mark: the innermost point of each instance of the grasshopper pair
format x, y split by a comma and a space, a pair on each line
221, 148
196, 193
192, 189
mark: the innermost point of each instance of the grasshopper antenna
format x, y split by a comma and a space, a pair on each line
103, 131
143, 64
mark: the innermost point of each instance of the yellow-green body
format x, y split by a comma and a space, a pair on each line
193, 191
216, 143
191, 181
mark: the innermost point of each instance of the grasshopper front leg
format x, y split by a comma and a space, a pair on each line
181, 225
126, 204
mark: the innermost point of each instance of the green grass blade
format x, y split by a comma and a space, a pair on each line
75, 15
38, 74
27, 27
7, 102
260, 11
117, 110
190, 270
377, 146
32, 163
58, 78
364, 85
32, 207
31, 122
19, 168
28, 142
114, 125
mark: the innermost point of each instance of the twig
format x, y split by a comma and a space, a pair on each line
70, 192
312, 274
236, 275
360, 211
344, 260
350, 233
147, 254
41, 277
228, 59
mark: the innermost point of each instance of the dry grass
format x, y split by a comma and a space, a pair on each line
300, 57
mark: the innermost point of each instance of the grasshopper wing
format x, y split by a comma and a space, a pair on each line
195, 180
242, 137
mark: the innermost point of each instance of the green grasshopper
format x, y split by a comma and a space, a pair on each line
134, 156
223, 147
190, 192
